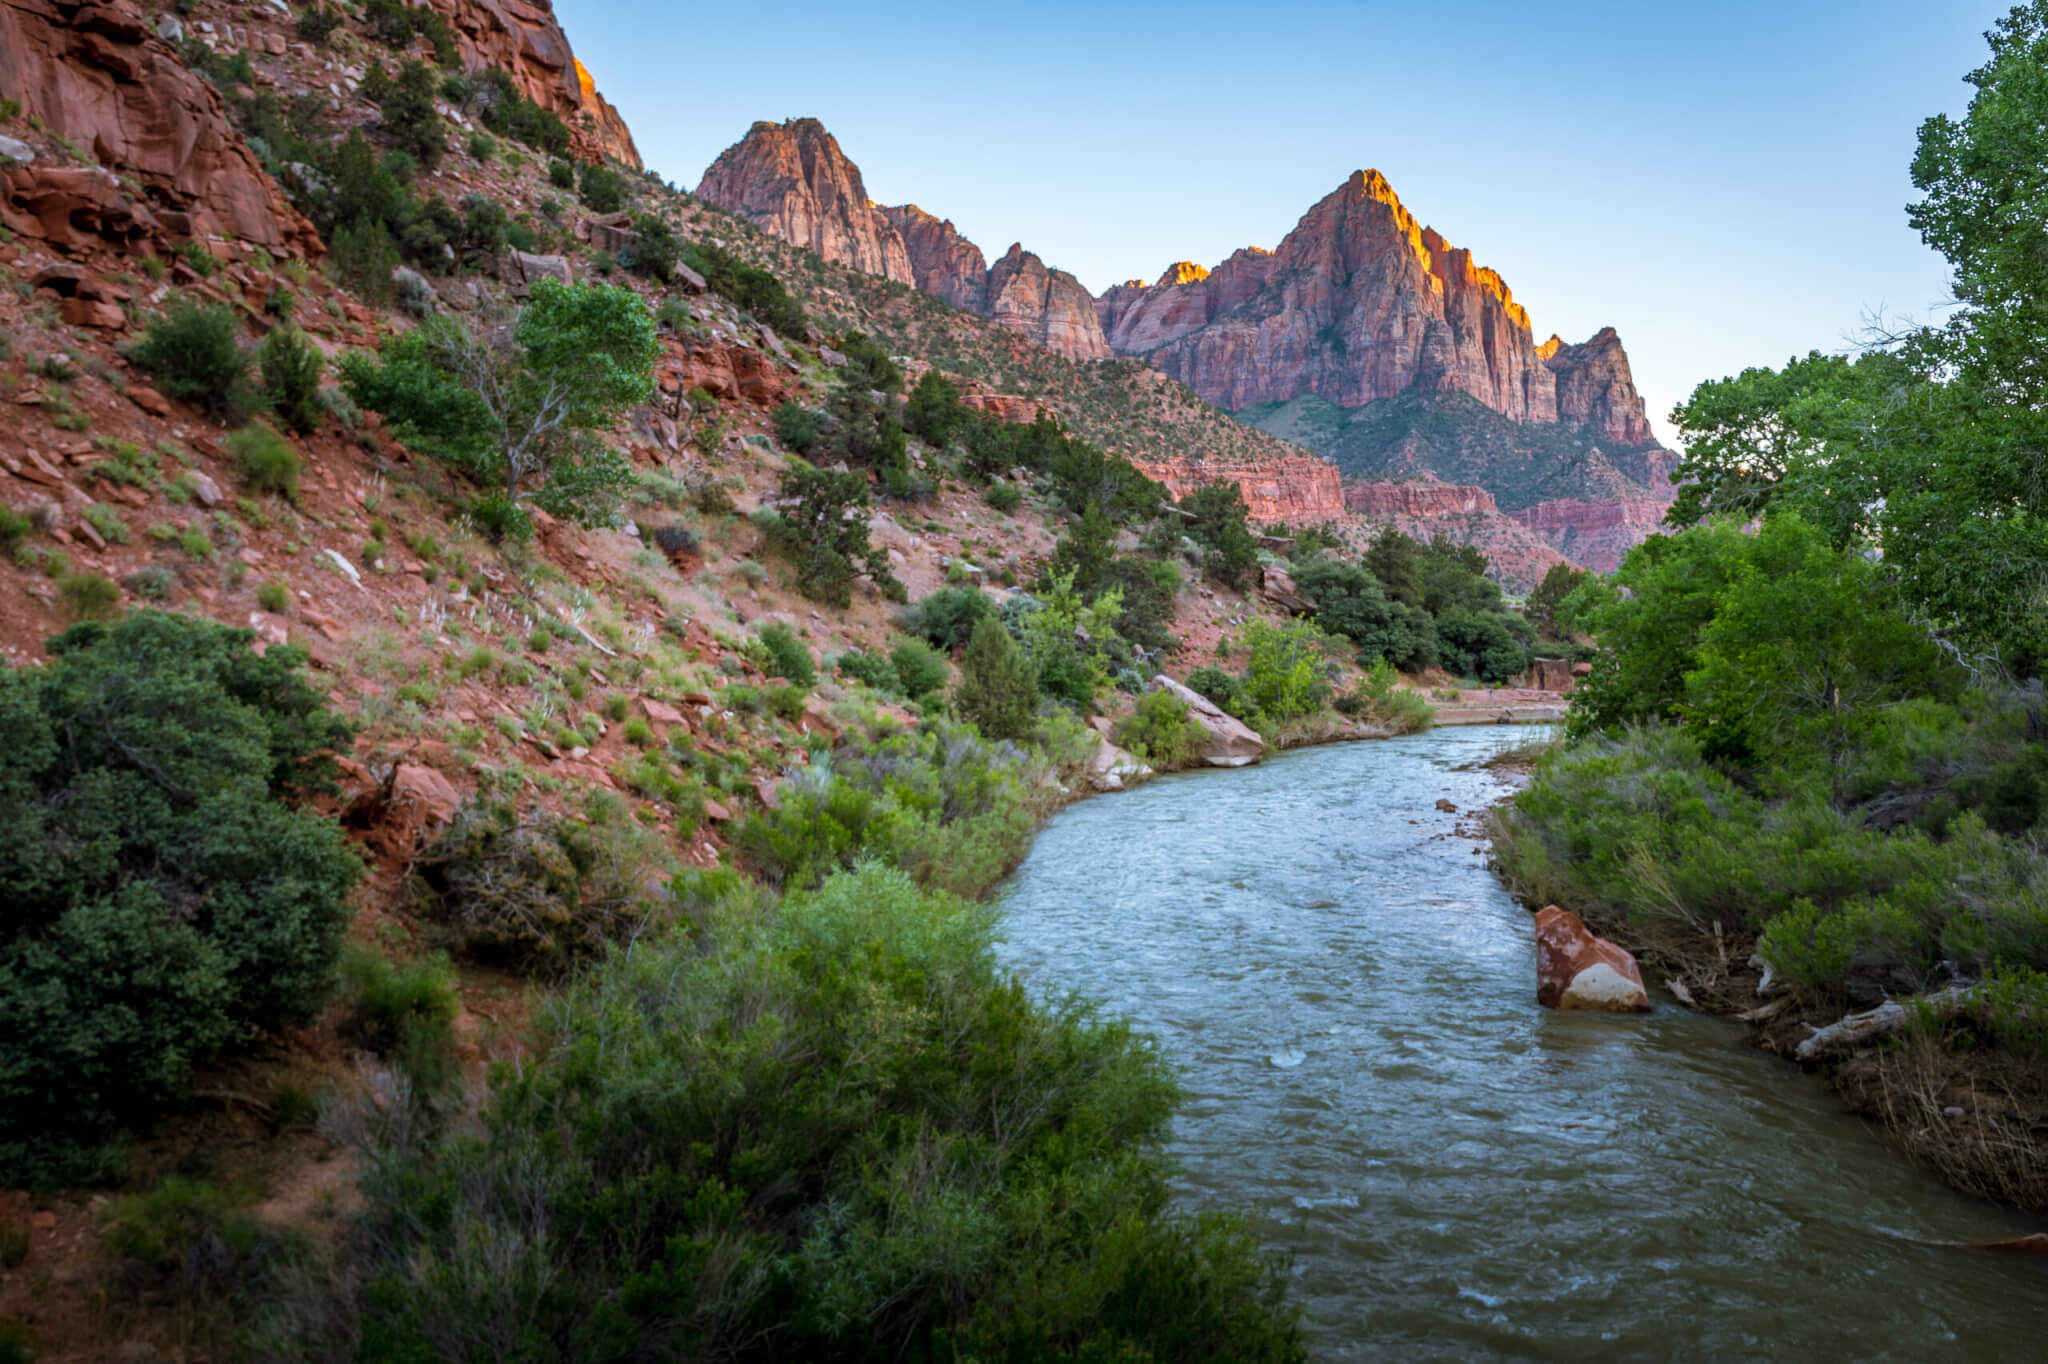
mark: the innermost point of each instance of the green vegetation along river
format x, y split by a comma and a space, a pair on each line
1350, 996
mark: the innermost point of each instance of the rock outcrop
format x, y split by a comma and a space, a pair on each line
1297, 489
1593, 534
1577, 970
943, 263
1226, 741
1595, 388
1421, 499
98, 76
523, 38
792, 180
1049, 306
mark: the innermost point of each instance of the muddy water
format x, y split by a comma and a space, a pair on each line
1459, 1175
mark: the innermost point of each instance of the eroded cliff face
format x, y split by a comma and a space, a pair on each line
1048, 306
1359, 302
98, 76
1595, 388
523, 38
943, 263
792, 180
1297, 489
1419, 499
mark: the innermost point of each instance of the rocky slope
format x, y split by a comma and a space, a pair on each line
164, 163
792, 180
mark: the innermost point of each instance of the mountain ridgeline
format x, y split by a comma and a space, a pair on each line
1364, 337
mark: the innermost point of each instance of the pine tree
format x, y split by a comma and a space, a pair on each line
998, 690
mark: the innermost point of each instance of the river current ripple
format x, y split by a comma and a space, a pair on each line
1350, 998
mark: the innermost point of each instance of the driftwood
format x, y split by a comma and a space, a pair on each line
1769, 984
1858, 1030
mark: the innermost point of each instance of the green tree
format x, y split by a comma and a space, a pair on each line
1217, 520
523, 411
1396, 560
825, 522
934, 413
1550, 595
291, 369
159, 900
998, 688
1288, 671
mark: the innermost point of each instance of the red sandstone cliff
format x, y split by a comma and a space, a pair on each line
1596, 388
792, 180
1049, 306
1359, 302
523, 38
1297, 489
98, 76
943, 263
1418, 499
1593, 535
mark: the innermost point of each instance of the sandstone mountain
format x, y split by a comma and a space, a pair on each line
1364, 336
792, 180
522, 37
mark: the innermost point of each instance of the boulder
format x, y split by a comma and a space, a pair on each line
1551, 674
1110, 767
1277, 585
1578, 970
1226, 741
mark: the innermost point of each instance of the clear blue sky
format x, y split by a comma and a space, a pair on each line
1723, 183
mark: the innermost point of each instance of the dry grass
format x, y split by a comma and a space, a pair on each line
1973, 1118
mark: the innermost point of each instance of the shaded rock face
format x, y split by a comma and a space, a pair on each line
1595, 388
97, 75
523, 38
1577, 970
943, 263
1297, 489
1049, 306
1593, 534
792, 180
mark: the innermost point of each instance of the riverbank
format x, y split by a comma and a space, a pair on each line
1348, 993
1976, 1117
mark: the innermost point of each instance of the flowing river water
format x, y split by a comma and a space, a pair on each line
1350, 997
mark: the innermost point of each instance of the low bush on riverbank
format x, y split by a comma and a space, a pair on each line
829, 1128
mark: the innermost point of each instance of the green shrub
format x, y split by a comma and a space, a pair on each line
948, 616
194, 352
154, 583
800, 428
89, 596
405, 1012
841, 1132
1004, 497
163, 902
266, 461
1160, 733
1381, 700
291, 368
602, 189
998, 689
317, 24
791, 657
540, 893
920, 669
107, 522
875, 672
14, 528
561, 175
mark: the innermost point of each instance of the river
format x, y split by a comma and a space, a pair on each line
1350, 997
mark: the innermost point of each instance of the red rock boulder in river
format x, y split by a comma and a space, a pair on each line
1576, 969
